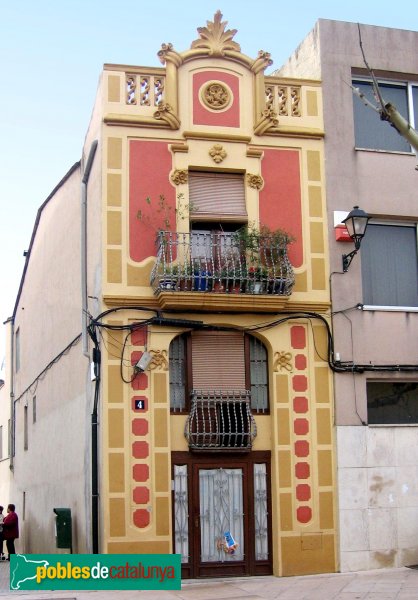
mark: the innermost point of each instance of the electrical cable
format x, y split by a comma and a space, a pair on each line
50, 364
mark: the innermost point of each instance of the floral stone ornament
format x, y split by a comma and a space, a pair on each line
217, 153
255, 181
179, 176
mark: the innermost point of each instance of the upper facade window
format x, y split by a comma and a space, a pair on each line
17, 350
218, 362
390, 266
370, 132
217, 196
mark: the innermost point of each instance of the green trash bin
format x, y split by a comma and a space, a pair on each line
63, 528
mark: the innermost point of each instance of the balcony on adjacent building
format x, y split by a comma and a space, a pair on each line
220, 421
222, 263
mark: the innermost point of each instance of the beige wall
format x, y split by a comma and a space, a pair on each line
52, 471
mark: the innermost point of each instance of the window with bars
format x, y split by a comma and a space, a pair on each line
223, 361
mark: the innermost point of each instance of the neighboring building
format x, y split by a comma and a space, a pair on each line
6, 372
211, 384
51, 381
375, 304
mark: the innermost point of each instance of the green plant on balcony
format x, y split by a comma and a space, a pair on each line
257, 279
250, 239
161, 216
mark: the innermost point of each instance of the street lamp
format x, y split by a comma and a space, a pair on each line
356, 222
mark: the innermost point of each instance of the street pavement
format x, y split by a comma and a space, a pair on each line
380, 584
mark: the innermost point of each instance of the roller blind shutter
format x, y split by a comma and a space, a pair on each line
216, 194
218, 360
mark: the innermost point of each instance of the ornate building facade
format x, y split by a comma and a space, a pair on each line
205, 291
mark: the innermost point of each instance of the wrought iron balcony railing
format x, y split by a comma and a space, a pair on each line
222, 263
220, 420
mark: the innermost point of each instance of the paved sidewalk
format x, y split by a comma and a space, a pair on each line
381, 584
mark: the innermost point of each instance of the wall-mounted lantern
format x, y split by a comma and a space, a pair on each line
356, 222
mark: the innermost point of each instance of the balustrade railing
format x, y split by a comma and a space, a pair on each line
222, 263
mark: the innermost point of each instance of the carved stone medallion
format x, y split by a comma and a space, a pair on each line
216, 95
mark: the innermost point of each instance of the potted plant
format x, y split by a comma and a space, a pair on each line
169, 277
219, 284
201, 276
257, 279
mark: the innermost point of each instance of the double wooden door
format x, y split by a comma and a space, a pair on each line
221, 514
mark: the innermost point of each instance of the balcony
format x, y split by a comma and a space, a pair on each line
220, 421
222, 263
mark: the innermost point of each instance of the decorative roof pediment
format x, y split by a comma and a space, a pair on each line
214, 38
215, 41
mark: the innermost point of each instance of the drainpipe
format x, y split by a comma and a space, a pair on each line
10, 369
85, 347
84, 307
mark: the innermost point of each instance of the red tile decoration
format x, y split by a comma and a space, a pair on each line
140, 472
140, 427
139, 336
141, 495
300, 383
301, 426
302, 470
304, 514
303, 492
141, 518
300, 404
300, 362
140, 450
135, 356
140, 382
302, 448
298, 337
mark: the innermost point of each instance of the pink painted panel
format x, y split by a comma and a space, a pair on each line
302, 470
223, 118
298, 337
280, 198
300, 383
304, 514
301, 426
140, 450
141, 495
140, 427
303, 492
149, 167
141, 518
140, 472
300, 404
300, 362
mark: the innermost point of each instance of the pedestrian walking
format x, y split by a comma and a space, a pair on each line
2, 557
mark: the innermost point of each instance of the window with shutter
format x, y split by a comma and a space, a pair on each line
220, 362
216, 195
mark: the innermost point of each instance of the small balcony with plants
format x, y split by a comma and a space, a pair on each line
246, 264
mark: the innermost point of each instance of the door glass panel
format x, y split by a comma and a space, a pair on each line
181, 528
221, 515
260, 512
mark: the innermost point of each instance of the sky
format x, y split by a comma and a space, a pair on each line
52, 54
